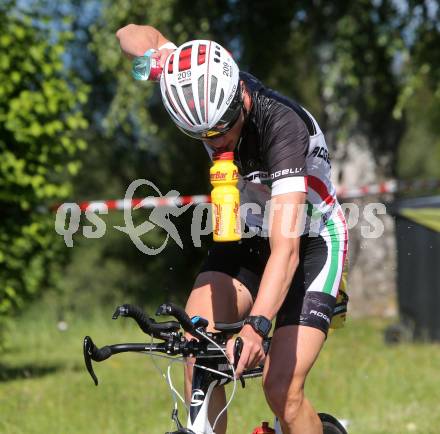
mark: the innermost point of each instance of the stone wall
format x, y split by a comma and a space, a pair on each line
372, 263
372, 256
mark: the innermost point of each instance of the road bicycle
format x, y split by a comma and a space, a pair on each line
211, 366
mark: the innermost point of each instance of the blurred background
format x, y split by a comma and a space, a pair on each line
75, 126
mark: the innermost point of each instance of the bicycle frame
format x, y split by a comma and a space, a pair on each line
211, 368
203, 385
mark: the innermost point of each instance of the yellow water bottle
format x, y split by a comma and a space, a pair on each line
225, 198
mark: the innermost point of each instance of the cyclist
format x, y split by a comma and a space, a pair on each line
293, 268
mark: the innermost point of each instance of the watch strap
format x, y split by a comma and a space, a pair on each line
260, 324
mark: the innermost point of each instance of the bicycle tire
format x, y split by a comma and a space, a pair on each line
331, 425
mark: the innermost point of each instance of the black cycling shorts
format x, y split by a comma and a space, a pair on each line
306, 302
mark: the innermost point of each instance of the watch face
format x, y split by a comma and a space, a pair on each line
261, 325
264, 325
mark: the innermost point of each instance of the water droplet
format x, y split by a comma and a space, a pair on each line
171, 268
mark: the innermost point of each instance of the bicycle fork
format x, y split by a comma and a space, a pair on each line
203, 384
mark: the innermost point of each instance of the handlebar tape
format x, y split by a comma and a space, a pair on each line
139, 316
100, 354
178, 313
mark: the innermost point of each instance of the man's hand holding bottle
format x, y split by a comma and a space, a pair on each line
136, 40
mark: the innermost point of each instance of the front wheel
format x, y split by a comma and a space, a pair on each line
331, 425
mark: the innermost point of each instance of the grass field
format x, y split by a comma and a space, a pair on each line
44, 387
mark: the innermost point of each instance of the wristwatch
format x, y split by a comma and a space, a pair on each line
260, 324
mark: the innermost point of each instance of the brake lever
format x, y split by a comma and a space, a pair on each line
238, 348
88, 349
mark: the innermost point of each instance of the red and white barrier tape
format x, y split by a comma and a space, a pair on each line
367, 190
387, 187
147, 202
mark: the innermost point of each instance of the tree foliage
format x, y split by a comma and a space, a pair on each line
354, 64
350, 63
368, 70
419, 99
130, 137
40, 116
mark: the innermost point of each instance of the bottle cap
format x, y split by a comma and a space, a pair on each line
223, 156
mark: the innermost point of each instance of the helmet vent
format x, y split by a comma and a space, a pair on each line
189, 98
201, 55
176, 97
201, 84
222, 95
185, 59
171, 102
199, 88
213, 88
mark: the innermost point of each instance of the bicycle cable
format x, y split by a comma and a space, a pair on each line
181, 360
233, 375
175, 393
170, 383
167, 378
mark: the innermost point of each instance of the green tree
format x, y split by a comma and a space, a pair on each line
348, 62
419, 153
132, 138
40, 118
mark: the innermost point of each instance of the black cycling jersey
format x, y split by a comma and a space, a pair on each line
282, 150
275, 137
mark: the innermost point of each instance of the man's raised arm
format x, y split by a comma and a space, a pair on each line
135, 40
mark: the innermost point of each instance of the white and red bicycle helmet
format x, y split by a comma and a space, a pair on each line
200, 89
